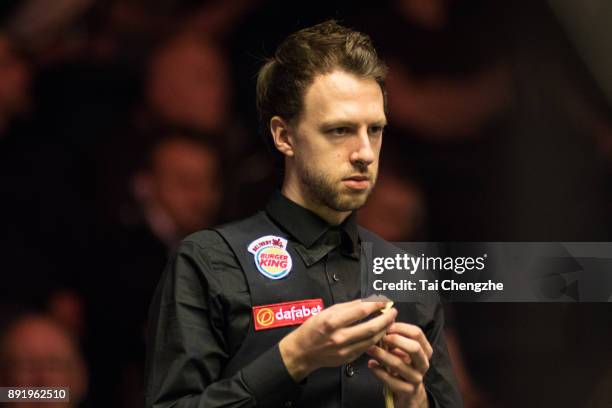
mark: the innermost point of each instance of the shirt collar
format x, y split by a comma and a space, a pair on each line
306, 226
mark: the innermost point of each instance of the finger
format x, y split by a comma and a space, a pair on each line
344, 314
375, 363
371, 328
414, 332
354, 350
401, 354
412, 347
396, 384
396, 365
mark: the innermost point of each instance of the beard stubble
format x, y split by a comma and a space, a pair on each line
324, 190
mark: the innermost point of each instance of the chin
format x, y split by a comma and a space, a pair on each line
350, 201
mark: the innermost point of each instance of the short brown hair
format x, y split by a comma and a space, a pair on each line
312, 51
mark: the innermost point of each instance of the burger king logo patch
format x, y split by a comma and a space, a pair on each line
271, 256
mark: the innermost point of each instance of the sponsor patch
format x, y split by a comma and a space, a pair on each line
285, 314
271, 256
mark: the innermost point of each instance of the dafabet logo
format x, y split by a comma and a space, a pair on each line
285, 314
265, 317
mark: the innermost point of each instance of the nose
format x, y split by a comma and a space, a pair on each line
363, 153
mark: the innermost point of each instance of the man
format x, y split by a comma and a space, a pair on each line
15, 78
396, 210
262, 312
179, 188
188, 83
36, 352
177, 191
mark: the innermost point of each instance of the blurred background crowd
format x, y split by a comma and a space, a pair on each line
127, 124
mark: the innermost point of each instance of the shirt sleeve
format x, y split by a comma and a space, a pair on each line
186, 349
440, 382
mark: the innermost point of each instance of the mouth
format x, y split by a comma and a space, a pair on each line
358, 182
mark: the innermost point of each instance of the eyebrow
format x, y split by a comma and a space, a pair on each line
347, 123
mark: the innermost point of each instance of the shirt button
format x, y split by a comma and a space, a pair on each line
335, 277
349, 370
288, 404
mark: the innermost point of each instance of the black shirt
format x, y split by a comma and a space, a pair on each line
202, 308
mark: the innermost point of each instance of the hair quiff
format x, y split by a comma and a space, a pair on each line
282, 81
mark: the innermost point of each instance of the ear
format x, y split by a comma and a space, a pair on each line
141, 186
282, 135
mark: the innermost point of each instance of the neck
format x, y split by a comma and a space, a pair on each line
162, 225
297, 195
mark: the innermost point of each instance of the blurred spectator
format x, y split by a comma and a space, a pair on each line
441, 105
396, 209
179, 190
38, 205
36, 352
218, 19
49, 29
450, 95
431, 14
129, 29
176, 190
189, 84
15, 78
473, 396
67, 309
446, 81
445, 108
54, 31
19, 187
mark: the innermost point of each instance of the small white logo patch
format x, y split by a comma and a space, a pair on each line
271, 256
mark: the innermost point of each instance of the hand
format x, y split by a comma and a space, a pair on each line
331, 338
404, 365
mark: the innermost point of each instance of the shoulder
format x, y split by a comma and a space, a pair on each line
208, 239
207, 257
213, 250
212, 239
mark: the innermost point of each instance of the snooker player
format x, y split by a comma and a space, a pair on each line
266, 311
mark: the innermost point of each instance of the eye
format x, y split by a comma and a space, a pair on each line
340, 131
376, 130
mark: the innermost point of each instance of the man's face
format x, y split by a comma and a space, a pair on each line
15, 80
337, 141
186, 184
188, 84
39, 354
